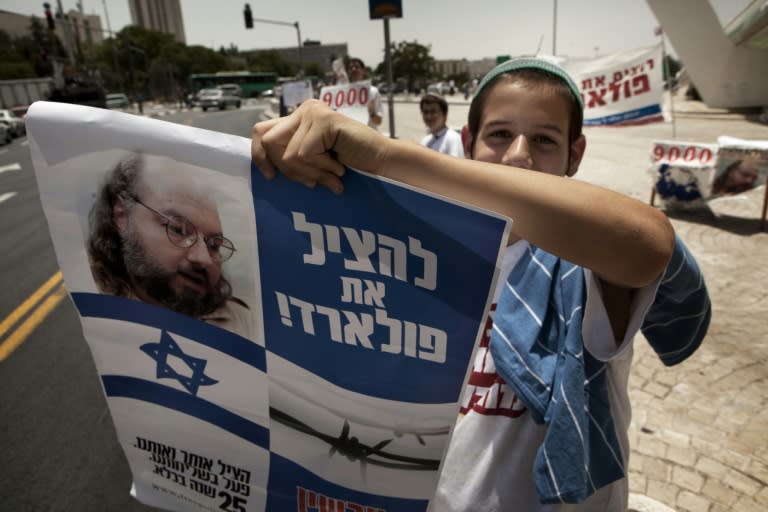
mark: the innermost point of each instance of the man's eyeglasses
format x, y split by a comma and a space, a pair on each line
182, 233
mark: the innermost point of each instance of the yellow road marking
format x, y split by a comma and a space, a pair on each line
37, 316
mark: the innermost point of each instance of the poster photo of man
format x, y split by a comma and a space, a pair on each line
156, 235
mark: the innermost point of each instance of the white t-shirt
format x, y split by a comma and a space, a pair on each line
489, 463
375, 100
446, 141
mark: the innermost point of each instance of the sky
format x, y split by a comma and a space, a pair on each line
453, 29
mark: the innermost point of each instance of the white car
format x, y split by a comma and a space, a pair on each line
13, 123
217, 98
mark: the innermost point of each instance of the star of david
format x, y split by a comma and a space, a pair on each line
167, 346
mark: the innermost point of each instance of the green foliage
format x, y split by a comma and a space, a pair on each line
29, 56
270, 60
410, 60
314, 69
671, 64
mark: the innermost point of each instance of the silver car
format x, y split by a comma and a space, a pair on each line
14, 123
217, 98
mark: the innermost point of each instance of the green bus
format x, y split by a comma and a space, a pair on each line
251, 84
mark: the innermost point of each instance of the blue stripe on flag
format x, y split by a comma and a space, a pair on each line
139, 389
623, 117
120, 308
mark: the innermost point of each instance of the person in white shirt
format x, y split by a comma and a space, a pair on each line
356, 72
434, 112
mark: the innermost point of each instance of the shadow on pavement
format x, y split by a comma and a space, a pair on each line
726, 222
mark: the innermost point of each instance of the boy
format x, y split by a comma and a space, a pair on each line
544, 421
434, 112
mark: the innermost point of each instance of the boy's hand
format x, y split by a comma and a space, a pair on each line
313, 144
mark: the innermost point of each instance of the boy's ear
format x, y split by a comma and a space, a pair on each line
577, 152
466, 141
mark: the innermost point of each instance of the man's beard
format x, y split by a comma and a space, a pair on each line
155, 282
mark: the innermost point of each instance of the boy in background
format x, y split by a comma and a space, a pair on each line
434, 112
356, 71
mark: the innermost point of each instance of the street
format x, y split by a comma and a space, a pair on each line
57, 439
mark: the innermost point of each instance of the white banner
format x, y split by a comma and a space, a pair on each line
294, 93
624, 88
350, 99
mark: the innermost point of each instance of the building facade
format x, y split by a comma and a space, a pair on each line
473, 68
160, 15
311, 53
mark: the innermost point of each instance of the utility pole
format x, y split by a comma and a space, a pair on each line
114, 43
388, 60
554, 30
67, 30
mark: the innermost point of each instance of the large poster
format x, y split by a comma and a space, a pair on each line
689, 173
741, 165
620, 89
262, 346
682, 172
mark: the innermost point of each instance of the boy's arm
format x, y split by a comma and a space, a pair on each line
625, 241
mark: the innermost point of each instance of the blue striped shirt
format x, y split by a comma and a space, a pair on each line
538, 349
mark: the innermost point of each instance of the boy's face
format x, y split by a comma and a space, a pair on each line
526, 125
355, 71
433, 117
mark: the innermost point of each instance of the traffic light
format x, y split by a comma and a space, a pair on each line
49, 16
248, 16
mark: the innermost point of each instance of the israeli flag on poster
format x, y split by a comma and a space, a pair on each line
262, 346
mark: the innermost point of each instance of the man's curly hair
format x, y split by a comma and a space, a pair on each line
105, 244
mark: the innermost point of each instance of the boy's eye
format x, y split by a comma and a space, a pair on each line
543, 139
504, 134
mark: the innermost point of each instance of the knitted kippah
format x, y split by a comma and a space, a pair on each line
530, 63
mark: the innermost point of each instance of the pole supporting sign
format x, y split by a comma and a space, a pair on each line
381, 9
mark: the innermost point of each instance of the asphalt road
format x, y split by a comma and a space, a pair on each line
58, 449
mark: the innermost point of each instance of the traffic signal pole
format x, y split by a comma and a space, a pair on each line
249, 19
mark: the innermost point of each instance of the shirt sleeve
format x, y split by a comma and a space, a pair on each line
596, 328
681, 311
455, 147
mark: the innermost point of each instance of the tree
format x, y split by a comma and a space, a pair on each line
410, 60
270, 60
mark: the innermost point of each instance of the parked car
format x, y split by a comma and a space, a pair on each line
441, 88
20, 111
5, 134
118, 100
13, 123
217, 98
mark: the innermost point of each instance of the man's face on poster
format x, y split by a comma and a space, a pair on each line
743, 177
157, 225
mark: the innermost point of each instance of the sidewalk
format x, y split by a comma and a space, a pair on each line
699, 429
